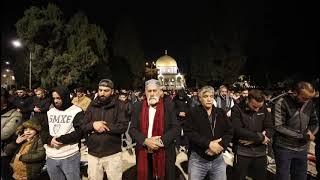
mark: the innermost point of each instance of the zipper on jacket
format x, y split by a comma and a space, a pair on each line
214, 124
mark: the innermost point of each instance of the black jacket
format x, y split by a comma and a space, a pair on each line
249, 125
24, 104
43, 104
292, 122
199, 132
115, 113
182, 103
171, 130
34, 159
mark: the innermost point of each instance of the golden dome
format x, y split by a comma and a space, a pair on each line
166, 61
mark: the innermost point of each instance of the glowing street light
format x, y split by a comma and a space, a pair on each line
152, 67
7, 62
17, 44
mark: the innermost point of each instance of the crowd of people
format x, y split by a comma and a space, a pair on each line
45, 128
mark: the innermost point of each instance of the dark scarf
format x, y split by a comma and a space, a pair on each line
158, 156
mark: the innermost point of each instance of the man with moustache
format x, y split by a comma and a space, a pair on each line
61, 135
105, 120
154, 127
224, 101
209, 132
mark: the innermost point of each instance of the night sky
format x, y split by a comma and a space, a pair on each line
278, 33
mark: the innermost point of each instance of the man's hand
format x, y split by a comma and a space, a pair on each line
312, 137
100, 126
266, 139
245, 142
229, 113
21, 138
55, 143
153, 143
36, 109
215, 147
182, 114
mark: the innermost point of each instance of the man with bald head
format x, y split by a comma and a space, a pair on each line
154, 127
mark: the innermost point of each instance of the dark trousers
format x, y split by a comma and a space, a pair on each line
318, 155
6, 170
150, 167
256, 165
182, 140
290, 163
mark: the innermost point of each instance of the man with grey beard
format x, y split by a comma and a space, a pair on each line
154, 127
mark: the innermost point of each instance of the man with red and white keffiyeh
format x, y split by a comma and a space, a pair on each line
154, 127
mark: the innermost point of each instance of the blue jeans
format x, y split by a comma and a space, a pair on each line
60, 169
318, 154
199, 167
290, 162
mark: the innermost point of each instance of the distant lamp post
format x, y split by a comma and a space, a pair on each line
17, 44
7, 62
150, 67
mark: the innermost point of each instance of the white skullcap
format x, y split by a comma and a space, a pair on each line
152, 81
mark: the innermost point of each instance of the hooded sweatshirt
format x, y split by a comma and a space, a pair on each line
64, 123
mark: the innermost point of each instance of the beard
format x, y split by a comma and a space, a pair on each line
153, 100
58, 105
102, 98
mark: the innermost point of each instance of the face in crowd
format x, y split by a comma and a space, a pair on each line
122, 97
223, 92
80, 94
255, 105
40, 94
255, 100
206, 98
153, 93
304, 92
29, 133
104, 93
21, 93
57, 100
245, 93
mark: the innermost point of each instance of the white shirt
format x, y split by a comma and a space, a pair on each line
61, 123
152, 113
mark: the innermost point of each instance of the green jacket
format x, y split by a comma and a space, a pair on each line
34, 159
